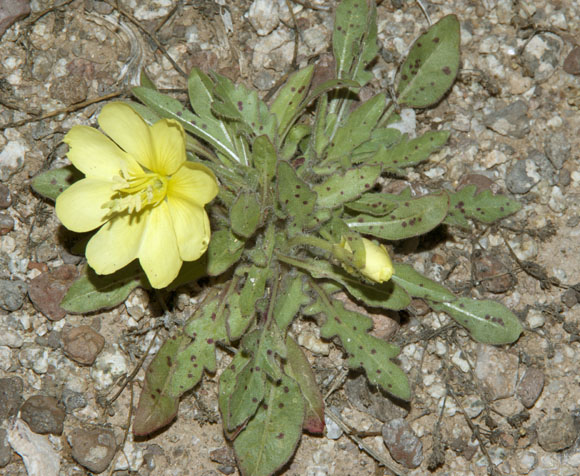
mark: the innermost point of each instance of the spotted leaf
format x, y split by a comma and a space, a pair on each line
431, 66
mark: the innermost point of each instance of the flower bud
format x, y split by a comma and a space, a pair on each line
377, 264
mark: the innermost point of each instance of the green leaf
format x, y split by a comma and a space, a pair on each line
223, 251
290, 97
52, 183
250, 387
294, 195
380, 140
289, 300
300, 370
296, 134
417, 285
238, 103
145, 80
178, 367
270, 438
265, 159
388, 295
431, 66
339, 189
375, 204
484, 207
207, 128
253, 289
410, 152
228, 379
487, 321
93, 292
357, 129
366, 351
245, 214
412, 217
199, 88
354, 39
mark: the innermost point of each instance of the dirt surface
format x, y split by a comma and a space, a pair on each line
476, 409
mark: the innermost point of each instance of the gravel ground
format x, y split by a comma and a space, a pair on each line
476, 408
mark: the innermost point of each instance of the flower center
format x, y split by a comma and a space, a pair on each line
135, 192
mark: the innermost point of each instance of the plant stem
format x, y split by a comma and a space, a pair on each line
310, 240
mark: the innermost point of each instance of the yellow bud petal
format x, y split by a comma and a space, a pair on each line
378, 265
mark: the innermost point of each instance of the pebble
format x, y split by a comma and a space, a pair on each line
522, 176
47, 290
82, 344
530, 386
35, 358
313, 343
12, 158
5, 450
10, 397
545, 167
370, 400
11, 12
497, 369
491, 271
36, 451
511, 121
5, 197
12, 294
535, 319
570, 297
264, 17
10, 338
557, 149
6, 223
558, 433
572, 61
73, 400
541, 56
557, 202
43, 415
5, 358
403, 444
93, 448
109, 366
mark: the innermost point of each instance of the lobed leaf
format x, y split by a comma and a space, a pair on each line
412, 217
294, 196
265, 159
431, 66
410, 152
94, 292
350, 185
271, 436
487, 321
366, 351
484, 207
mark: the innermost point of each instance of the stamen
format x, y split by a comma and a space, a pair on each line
135, 192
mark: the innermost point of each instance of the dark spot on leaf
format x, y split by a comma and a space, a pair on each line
255, 400
436, 40
446, 70
169, 361
280, 436
280, 405
286, 389
373, 351
210, 341
179, 113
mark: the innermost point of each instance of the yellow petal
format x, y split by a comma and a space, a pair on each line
169, 145
122, 124
159, 254
94, 154
194, 182
117, 243
191, 226
79, 207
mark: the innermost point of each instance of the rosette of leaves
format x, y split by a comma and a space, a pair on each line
296, 176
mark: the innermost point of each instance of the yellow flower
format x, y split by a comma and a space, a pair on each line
139, 188
377, 264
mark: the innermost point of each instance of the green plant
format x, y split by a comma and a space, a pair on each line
299, 180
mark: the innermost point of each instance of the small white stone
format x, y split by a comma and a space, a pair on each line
109, 366
333, 431
535, 319
9, 338
313, 343
558, 20
5, 358
264, 16
35, 358
458, 360
557, 200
